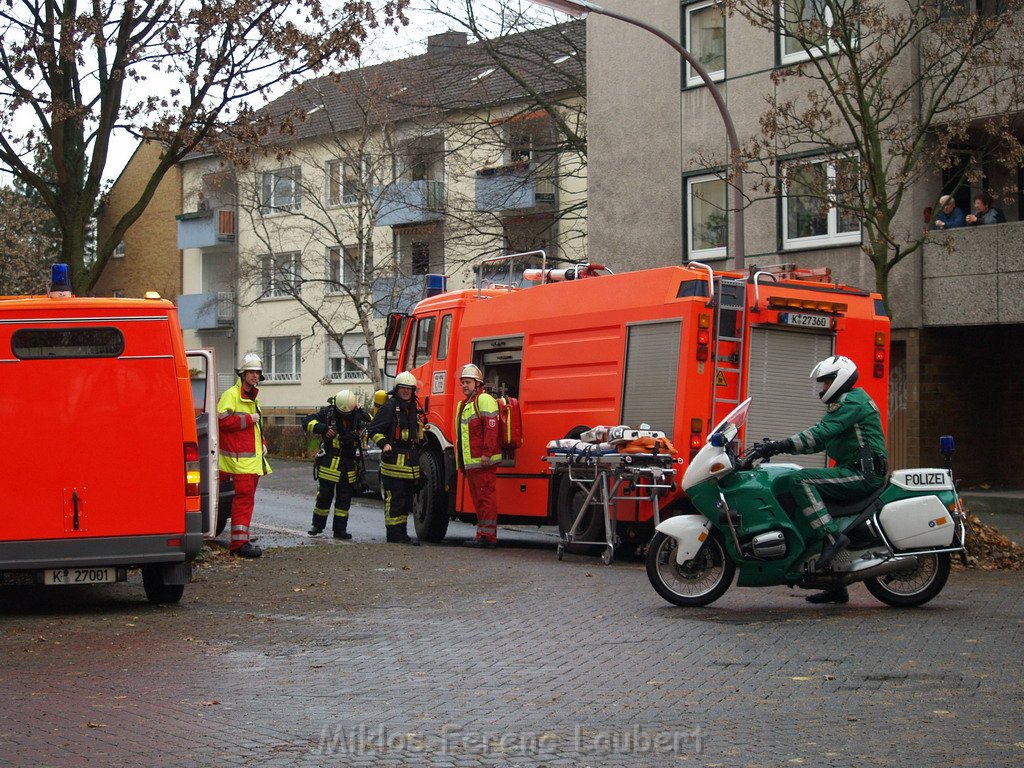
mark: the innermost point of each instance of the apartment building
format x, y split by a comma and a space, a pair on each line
657, 194
369, 180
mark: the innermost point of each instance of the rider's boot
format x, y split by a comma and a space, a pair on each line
837, 542
832, 595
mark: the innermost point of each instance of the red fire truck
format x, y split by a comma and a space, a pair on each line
675, 348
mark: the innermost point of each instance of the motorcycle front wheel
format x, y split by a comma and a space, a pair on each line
694, 583
914, 586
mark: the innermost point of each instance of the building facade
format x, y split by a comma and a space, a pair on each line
367, 182
657, 195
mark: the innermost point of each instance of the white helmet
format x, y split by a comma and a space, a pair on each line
251, 362
344, 401
842, 372
470, 371
405, 379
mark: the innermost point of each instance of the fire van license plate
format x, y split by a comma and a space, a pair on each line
807, 321
79, 575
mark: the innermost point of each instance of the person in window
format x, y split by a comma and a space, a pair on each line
984, 211
950, 216
851, 434
398, 431
339, 425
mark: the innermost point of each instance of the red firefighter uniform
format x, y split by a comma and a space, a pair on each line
242, 454
476, 430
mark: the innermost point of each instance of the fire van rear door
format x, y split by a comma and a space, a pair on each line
203, 374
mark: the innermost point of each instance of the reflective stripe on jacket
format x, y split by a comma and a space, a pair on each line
242, 448
476, 430
398, 423
851, 425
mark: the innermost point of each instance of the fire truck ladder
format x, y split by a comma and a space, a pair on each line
730, 321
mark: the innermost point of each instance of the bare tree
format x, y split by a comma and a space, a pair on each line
179, 71
27, 243
889, 91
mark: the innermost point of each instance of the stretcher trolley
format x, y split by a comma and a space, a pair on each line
608, 477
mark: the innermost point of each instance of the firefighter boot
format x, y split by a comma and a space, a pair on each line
397, 534
340, 525
319, 522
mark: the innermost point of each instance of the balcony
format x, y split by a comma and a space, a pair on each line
409, 202
974, 276
206, 229
514, 187
206, 311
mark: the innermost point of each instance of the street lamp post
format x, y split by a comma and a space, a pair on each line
580, 8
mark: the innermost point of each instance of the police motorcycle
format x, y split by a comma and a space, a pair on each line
901, 537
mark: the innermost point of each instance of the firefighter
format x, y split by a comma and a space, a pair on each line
339, 425
477, 453
851, 434
243, 450
398, 432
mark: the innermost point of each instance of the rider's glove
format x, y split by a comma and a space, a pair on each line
774, 447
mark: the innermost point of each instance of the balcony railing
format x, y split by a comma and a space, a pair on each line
973, 275
206, 311
207, 229
409, 202
514, 187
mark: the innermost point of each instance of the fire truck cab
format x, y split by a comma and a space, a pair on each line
675, 348
110, 432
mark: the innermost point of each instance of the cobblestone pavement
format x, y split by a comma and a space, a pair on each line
370, 654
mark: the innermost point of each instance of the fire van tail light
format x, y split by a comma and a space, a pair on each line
191, 469
880, 343
696, 437
703, 337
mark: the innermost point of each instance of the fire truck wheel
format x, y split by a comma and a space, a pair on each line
156, 590
591, 527
430, 507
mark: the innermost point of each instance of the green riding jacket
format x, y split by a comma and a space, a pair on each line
850, 430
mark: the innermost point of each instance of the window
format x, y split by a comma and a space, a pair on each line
119, 250
282, 275
707, 231
280, 191
282, 358
53, 343
343, 266
420, 257
352, 367
807, 23
424, 341
344, 181
444, 337
705, 39
816, 204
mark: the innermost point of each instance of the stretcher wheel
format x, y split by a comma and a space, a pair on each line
606, 555
561, 551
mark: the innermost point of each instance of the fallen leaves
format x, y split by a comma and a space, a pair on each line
990, 550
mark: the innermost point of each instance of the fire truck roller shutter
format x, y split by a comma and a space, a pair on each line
783, 402
651, 375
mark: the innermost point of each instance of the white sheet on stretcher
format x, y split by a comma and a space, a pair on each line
571, 447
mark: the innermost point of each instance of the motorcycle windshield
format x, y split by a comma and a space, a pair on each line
730, 426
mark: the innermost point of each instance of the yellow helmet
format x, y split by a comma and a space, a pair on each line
345, 401
470, 371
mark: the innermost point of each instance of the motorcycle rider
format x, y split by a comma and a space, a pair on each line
339, 424
851, 434
398, 432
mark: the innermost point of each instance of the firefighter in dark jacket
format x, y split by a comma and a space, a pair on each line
339, 425
851, 434
398, 432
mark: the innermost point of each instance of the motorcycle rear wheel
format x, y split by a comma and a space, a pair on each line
913, 587
696, 582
